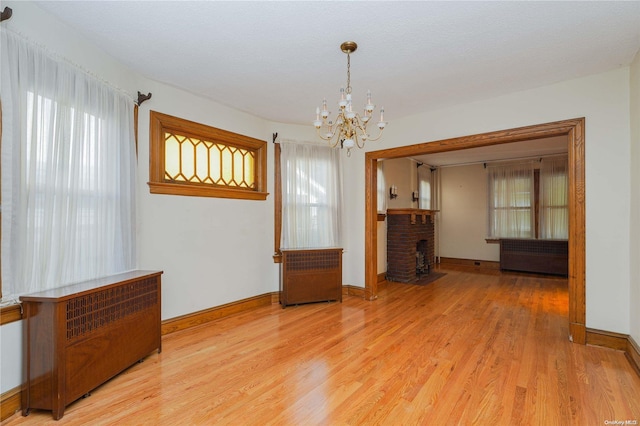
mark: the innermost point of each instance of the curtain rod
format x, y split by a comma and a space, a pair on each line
6, 13
142, 97
505, 160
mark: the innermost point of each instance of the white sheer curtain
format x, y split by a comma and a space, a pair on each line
311, 196
68, 172
435, 188
425, 188
511, 200
554, 192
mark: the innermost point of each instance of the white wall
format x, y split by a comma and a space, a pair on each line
603, 99
213, 251
634, 299
463, 214
403, 173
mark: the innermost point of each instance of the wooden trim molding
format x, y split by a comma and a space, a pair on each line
607, 339
351, 290
633, 354
617, 341
382, 280
10, 313
573, 129
201, 317
277, 203
10, 402
160, 124
482, 264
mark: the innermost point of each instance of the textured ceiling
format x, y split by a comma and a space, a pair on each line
277, 60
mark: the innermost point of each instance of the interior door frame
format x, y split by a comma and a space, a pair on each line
573, 129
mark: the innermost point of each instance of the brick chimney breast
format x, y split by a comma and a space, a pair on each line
406, 229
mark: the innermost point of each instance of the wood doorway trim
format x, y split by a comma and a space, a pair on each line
574, 131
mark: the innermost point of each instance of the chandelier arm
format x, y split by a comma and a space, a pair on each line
320, 135
377, 137
332, 143
360, 124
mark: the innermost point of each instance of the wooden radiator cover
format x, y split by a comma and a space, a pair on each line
79, 336
310, 276
540, 256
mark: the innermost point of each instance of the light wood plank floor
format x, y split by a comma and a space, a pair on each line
470, 348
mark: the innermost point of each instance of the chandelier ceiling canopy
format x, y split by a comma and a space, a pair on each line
350, 128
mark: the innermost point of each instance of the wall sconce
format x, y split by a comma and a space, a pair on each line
415, 196
393, 192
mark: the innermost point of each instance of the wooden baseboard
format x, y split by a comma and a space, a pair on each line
617, 341
481, 264
382, 280
607, 339
633, 353
207, 315
351, 290
10, 402
578, 333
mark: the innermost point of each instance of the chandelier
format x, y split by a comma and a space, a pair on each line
350, 128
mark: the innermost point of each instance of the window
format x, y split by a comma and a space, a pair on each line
554, 196
189, 158
69, 162
526, 202
424, 186
311, 196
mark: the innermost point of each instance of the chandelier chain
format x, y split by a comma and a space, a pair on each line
348, 73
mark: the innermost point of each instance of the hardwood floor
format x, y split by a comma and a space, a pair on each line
485, 348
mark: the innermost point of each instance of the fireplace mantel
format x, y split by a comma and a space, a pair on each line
414, 213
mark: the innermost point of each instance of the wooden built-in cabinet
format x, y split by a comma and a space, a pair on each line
79, 336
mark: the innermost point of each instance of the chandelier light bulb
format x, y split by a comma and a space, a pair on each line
343, 101
369, 107
325, 111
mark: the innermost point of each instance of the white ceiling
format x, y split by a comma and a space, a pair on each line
277, 59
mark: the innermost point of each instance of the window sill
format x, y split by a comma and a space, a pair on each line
200, 191
10, 313
492, 240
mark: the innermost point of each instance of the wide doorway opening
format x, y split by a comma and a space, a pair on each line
574, 132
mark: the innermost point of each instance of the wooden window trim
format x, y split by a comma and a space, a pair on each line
10, 313
160, 123
277, 185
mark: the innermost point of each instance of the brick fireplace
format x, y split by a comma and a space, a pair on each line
410, 244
